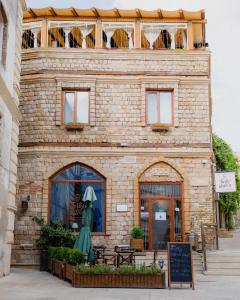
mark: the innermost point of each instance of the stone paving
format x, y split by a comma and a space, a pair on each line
23, 284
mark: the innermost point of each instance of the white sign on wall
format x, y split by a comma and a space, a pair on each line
225, 182
122, 207
160, 216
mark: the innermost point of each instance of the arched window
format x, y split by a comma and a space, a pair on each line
67, 188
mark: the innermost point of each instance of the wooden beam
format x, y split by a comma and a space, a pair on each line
160, 15
139, 13
74, 12
32, 13
94, 10
117, 14
52, 11
181, 14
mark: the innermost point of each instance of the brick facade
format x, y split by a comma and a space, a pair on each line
117, 143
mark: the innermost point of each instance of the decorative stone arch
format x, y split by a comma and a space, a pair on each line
182, 178
61, 165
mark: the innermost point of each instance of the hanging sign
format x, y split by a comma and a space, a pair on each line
225, 182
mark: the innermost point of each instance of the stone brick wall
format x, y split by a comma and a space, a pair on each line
117, 143
9, 115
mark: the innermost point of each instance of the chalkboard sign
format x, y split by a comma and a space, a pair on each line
180, 264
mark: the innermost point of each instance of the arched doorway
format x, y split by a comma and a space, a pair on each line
66, 190
161, 209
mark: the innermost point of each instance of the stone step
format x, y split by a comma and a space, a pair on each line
223, 265
223, 259
235, 272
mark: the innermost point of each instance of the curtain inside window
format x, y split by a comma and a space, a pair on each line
69, 108
82, 107
166, 108
152, 108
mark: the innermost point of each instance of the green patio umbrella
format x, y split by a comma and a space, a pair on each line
84, 240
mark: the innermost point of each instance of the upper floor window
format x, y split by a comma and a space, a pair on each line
76, 107
3, 35
160, 107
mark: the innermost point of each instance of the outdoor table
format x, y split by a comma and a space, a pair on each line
125, 255
109, 258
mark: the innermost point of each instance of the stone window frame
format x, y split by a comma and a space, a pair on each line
158, 86
77, 84
3, 35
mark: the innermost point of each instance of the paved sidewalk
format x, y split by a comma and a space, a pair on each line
25, 284
231, 244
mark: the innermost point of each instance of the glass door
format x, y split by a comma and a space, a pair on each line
160, 229
161, 214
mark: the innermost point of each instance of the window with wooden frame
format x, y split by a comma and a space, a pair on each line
66, 191
75, 108
159, 108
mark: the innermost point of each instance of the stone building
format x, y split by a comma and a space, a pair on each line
119, 100
11, 13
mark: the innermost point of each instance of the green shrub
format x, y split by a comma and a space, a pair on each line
137, 233
52, 252
72, 256
54, 234
75, 256
98, 269
105, 269
141, 269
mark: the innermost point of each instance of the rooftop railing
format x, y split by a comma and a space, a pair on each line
110, 35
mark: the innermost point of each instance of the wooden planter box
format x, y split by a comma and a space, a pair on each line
81, 280
137, 244
59, 268
50, 265
69, 272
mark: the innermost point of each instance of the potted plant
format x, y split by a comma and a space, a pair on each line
137, 236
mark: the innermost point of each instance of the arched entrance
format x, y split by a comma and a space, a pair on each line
161, 208
66, 190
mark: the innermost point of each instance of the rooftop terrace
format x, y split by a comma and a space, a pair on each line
113, 29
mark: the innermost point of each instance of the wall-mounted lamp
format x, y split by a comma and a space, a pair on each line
24, 201
75, 226
161, 264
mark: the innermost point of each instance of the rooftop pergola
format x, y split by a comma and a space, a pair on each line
94, 13
113, 28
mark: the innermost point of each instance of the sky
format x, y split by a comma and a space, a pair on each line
223, 37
